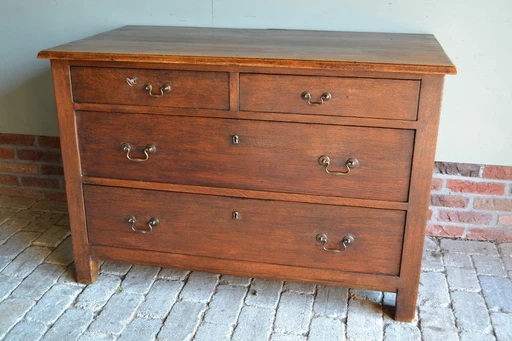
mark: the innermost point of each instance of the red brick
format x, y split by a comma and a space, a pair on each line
21, 192
59, 196
9, 180
448, 201
493, 204
51, 170
18, 140
498, 172
505, 220
475, 187
437, 184
49, 141
39, 155
445, 231
494, 234
6, 153
11, 167
465, 217
39, 182
429, 214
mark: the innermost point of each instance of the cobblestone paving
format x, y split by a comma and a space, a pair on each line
465, 295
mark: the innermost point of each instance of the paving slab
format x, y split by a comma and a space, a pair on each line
502, 323
326, 329
254, 323
13, 310
70, 325
490, 266
293, 313
399, 331
160, 299
182, 322
26, 330
264, 293
470, 312
497, 293
331, 301
469, 247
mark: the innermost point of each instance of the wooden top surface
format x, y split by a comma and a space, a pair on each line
388, 52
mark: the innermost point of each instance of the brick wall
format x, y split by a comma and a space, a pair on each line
31, 166
471, 202
468, 201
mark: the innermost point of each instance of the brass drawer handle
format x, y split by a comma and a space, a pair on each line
163, 89
351, 163
151, 223
149, 149
324, 98
346, 241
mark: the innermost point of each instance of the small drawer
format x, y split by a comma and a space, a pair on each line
335, 96
246, 154
165, 88
251, 230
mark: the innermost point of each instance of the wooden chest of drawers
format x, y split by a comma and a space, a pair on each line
291, 155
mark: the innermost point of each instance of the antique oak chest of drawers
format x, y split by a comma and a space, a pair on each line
292, 155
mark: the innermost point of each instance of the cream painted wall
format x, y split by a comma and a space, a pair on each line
476, 123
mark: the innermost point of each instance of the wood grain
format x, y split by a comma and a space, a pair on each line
351, 97
86, 268
189, 89
419, 53
247, 115
265, 232
240, 268
271, 156
244, 193
421, 180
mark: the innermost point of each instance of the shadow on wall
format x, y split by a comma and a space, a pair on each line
36, 96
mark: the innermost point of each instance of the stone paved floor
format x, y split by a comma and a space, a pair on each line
465, 294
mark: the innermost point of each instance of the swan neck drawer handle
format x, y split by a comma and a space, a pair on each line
351, 163
346, 241
323, 98
163, 89
151, 223
149, 149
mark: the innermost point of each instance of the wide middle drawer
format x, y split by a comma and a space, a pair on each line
246, 229
246, 154
151, 87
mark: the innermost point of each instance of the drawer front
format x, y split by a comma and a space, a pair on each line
187, 89
356, 97
265, 231
273, 156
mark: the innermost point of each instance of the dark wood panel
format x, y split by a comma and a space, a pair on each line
86, 268
250, 69
188, 89
419, 53
244, 268
423, 164
247, 115
265, 232
357, 97
244, 193
272, 156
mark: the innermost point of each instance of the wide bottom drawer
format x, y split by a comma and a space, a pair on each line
252, 230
